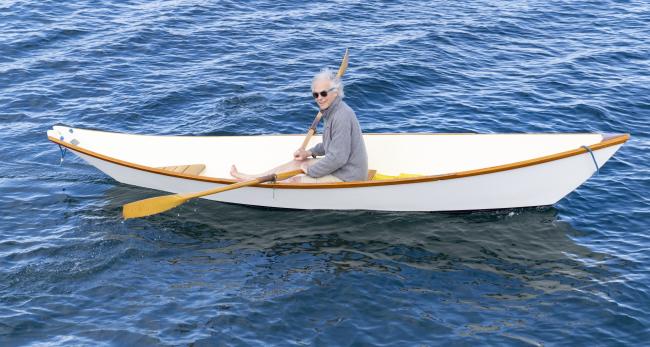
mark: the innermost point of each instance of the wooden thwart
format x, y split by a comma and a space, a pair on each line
193, 169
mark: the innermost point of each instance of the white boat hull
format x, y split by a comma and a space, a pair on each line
515, 184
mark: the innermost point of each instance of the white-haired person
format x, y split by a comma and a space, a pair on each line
341, 157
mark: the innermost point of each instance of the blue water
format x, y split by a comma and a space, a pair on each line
73, 273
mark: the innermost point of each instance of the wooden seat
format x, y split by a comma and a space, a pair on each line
192, 169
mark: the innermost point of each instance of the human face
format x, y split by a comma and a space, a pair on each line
324, 101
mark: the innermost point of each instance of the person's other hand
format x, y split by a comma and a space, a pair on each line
301, 154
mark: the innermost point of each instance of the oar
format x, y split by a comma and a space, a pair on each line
151, 206
314, 124
155, 205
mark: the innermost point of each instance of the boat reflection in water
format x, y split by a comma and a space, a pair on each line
457, 274
530, 246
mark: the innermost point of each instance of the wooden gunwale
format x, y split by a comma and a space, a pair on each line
608, 142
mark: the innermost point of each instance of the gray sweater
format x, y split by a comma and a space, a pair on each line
342, 146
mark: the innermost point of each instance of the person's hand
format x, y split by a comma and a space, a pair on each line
304, 167
301, 154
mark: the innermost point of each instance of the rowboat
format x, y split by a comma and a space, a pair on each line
410, 172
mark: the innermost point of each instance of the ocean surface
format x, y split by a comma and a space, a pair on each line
72, 273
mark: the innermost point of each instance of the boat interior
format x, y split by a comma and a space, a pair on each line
389, 154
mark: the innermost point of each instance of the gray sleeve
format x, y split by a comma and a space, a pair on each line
318, 149
339, 149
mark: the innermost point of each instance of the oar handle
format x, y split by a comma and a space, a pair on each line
284, 175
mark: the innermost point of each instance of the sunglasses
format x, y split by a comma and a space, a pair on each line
323, 93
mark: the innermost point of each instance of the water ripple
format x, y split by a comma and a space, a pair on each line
73, 273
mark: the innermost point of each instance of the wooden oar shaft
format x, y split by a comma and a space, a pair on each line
221, 189
151, 206
314, 124
281, 176
310, 133
288, 174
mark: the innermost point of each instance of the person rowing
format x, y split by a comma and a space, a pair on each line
341, 157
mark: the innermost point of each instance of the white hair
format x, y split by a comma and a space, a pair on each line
329, 75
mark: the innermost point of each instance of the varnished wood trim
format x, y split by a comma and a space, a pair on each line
608, 142
295, 135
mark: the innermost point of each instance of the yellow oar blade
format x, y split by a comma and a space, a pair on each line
147, 207
344, 63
